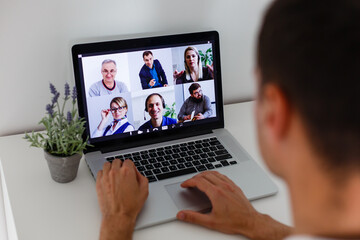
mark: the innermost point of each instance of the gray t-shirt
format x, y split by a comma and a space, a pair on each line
203, 107
99, 89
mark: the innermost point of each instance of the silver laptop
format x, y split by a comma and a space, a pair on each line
141, 102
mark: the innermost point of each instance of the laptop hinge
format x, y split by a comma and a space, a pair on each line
138, 143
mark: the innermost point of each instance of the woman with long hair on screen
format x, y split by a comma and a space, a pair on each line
120, 124
194, 71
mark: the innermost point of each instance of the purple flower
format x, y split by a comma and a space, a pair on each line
55, 98
53, 89
74, 94
49, 110
67, 90
69, 117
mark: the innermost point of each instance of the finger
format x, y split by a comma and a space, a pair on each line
194, 217
98, 183
116, 164
106, 168
129, 166
200, 183
98, 178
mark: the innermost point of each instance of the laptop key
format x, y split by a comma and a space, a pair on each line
151, 178
201, 168
181, 166
204, 161
219, 165
153, 154
173, 168
148, 173
176, 173
160, 159
223, 157
164, 169
221, 152
140, 168
191, 147
149, 167
156, 171
213, 143
152, 160
166, 163
209, 166
144, 162
233, 162
196, 163
198, 151
225, 163
188, 164
172, 162
157, 165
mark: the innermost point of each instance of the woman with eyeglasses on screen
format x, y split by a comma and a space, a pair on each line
120, 124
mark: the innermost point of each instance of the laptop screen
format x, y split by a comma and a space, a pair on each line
142, 86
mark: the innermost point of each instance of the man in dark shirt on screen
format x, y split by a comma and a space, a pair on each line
152, 75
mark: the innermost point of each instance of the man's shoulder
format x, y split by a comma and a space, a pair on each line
170, 120
145, 125
206, 98
143, 68
96, 84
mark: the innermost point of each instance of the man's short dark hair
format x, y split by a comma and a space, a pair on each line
311, 50
154, 94
193, 87
147, 53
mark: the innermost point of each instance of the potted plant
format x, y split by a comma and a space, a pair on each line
207, 57
170, 112
62, 140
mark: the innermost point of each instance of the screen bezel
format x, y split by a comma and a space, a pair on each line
136, 44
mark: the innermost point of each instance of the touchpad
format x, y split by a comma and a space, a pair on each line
188, 198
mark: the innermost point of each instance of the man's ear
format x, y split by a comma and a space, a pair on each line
276, 110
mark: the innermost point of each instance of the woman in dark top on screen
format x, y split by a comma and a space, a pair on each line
194, 71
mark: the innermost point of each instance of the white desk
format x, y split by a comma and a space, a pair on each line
43, 209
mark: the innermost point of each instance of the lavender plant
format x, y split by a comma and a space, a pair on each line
63, 135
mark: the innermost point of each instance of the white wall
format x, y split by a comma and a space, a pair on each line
36, 37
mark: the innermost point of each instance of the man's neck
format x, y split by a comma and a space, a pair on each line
328, 208
109, 84
156, 122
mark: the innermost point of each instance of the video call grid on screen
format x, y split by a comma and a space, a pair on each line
128, 67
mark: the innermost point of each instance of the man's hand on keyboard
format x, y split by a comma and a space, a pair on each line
122, 192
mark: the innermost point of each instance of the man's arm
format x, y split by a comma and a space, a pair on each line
93, 91
143, 79
182, 112
207, 107
231, 212
161, 72
122, 191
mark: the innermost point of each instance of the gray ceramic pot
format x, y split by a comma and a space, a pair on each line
63, 169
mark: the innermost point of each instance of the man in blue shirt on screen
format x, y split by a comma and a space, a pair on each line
154, 105
152, 74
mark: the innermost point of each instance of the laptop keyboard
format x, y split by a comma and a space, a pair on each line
179, 159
